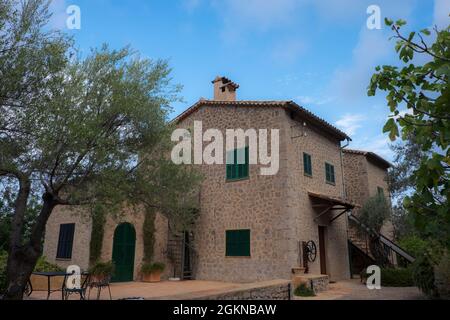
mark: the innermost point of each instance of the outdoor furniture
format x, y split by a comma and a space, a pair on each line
100, 284
51, 275
81, 290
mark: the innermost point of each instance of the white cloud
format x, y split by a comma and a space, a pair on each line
349, 83
314, 100
59, 16
441, 13
378, 144
350, 123
288, 51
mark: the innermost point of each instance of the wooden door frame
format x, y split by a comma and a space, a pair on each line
323, 249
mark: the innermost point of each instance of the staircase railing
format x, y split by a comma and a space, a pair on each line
386, 245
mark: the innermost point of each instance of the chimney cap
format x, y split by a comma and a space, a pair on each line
226, 82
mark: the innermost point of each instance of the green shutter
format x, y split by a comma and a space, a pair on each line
307, 164
237, 243
329, 173
238, 171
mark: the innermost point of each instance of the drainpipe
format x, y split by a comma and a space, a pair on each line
344, 196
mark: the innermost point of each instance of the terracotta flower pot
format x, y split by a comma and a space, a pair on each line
152, 277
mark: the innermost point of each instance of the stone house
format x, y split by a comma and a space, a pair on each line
251, 227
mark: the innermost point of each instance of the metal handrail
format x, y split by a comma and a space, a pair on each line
393, 246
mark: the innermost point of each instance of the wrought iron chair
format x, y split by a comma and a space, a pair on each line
80, 290
100, 284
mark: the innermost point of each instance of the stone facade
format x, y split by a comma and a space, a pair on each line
276, 209
365, 173
82, 238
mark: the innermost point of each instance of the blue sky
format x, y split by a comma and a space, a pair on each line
318, 53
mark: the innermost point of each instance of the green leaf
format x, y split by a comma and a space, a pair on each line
391, 128
388, 22
425, 32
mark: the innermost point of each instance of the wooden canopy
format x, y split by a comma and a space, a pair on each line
330, 204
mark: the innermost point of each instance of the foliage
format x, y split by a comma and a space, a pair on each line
304, 291
3, 261
399, 277
149, 235
98, 228
148, 268
423, 275
374, 212
407, 158
43, 265
414, 245
81, 131
418, 98
102, 269
392, 277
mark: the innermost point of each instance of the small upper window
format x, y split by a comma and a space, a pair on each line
307, 164
329, 173
239, 169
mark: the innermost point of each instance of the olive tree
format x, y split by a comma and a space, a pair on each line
80, 131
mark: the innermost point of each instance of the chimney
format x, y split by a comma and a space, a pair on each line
224, 89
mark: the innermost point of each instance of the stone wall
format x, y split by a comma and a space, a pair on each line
276, 209
82, 236
322, 148
253, 204
280, 291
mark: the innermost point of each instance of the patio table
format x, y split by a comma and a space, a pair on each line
51, 275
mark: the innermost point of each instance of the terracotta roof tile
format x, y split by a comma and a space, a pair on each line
372, 156
271, 103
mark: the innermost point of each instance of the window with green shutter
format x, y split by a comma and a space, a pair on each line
307, 164
238, 243
329, 173
380, 191
236, 170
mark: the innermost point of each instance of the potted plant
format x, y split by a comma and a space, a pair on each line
151, 272
100, 271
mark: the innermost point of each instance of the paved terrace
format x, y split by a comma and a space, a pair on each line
174, 290
166, 290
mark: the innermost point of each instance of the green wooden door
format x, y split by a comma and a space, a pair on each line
123, 252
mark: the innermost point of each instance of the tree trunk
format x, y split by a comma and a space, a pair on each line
22, 259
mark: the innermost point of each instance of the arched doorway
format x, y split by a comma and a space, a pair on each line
123, 252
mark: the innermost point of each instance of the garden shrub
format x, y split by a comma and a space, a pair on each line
392, 277
423, 275
304, 291
43, 265
3, 261
102, 269
399, 277
148, 268
413, 245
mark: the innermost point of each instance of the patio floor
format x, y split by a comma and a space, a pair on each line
355, 290
157, 291
185, 290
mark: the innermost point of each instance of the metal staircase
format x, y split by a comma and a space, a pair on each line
180, 252
376, 246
